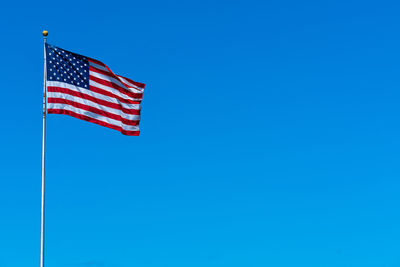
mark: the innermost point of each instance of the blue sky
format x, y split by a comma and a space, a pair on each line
270, 136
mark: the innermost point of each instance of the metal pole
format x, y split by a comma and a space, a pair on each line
45, 33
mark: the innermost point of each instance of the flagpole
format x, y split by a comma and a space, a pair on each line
45, 33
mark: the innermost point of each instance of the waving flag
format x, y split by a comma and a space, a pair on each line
87, 89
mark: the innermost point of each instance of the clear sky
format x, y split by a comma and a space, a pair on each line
270, 136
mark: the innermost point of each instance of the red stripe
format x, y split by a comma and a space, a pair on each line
117, 87
92, 98
94, 110
89, 119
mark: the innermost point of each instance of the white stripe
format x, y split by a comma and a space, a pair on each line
94, 94
79, 100
113, 90
92, 115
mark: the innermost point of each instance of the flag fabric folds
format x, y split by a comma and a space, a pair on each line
87, 89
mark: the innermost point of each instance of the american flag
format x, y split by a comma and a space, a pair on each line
87, 89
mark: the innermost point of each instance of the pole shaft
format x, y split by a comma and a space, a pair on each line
43, 160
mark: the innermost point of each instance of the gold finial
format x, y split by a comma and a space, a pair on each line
45, 33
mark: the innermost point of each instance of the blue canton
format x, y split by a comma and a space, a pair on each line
67, 67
